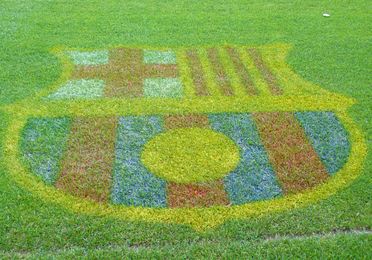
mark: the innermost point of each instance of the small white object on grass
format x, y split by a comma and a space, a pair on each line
326, 15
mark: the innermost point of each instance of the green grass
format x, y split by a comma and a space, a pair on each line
283, 247
331, 52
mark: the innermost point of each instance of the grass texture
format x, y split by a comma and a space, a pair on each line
329, 52
195, 155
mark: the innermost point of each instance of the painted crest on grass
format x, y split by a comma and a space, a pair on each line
193, 136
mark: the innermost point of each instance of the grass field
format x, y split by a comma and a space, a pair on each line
331, 52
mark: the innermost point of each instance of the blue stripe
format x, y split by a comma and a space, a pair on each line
133, 184
43, 145
328, 137
254, 178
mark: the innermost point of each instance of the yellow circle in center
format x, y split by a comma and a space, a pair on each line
189, 155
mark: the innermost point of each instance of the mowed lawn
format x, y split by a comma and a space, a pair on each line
332, 52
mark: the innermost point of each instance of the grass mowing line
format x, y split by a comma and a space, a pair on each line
137, 248
200, 219
320, 235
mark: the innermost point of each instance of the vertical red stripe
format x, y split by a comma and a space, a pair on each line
242, 71
197, 73
87, 166
296, 163
195, 194
221, 76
